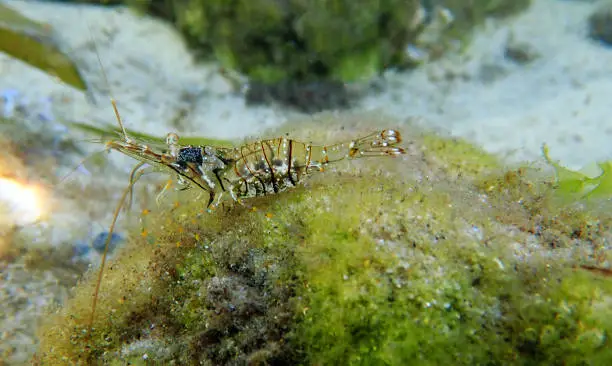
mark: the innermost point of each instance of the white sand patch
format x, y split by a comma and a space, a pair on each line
562, 98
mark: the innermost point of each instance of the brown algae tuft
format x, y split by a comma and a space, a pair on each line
443, 255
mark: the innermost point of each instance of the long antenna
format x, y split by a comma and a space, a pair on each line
112, 100
133, 179
136, 174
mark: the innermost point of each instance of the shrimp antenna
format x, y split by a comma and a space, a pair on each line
136, 174
80, 165
112, 100
133, 179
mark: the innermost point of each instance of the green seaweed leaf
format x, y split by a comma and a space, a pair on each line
35, 44
573, 185
604, 182
108, 131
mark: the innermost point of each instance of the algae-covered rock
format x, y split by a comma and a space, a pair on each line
273, 41
340, 40
440, 256
303, 53
276, 41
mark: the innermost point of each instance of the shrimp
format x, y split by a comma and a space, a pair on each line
262, 167
252, 169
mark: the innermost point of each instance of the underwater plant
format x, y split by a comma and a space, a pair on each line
37, 45
574, 185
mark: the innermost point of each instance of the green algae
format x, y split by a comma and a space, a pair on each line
581, 185
274, 41
440, 256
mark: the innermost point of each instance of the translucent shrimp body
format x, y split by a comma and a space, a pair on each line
264, 167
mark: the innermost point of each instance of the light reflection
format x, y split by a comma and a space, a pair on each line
20, 203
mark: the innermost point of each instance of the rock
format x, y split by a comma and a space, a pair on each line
520, 52
438, 257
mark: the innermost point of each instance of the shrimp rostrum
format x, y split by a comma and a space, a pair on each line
257, 168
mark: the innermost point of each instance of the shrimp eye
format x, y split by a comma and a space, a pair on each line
172, 138
190, 154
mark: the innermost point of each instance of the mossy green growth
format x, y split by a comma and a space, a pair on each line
340, 40
387, 261
275, 41
469, 310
